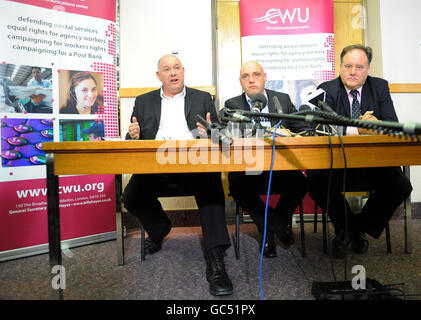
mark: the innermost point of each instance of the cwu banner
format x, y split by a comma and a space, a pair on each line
58, 82
294, 42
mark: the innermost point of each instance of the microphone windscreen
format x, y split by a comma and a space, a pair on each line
278, 106
259, 99
305, 107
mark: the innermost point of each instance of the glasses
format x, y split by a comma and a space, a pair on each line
358, 67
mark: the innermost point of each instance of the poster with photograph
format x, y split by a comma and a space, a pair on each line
293, 40
57, 83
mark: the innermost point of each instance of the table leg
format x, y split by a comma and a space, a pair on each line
408, 217
119, 224
54, 237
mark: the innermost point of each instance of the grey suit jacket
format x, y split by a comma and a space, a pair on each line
147, 110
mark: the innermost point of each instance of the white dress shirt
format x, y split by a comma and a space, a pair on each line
173, 124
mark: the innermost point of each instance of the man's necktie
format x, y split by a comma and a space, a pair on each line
356, 111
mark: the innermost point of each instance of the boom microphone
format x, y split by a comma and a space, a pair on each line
305, 107
324, 106
278, 106
214, 131
315, 96
226, 114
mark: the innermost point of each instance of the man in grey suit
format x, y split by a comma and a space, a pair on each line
165, 114
246, 188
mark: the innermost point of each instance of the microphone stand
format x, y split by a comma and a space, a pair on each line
412, 130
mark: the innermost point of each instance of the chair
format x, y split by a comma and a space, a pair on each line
360, 195
174, 191
237, 229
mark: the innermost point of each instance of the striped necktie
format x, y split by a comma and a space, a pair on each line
356, 111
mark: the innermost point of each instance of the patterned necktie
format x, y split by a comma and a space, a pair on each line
356, 111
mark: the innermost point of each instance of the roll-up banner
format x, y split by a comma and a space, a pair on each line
58, 82
294, 42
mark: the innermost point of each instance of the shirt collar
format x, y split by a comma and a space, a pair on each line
182, 94
360, 89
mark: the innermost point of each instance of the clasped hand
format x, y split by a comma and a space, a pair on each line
368, 116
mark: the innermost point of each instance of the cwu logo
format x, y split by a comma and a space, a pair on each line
276, 15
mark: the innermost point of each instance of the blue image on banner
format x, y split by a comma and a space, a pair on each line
21, 141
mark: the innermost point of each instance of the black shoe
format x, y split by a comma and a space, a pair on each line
282, 228
359, 243
152, 246
219, 282
269, 251
340, 245
288, 238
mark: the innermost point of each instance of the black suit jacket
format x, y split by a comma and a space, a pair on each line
147, 110
240, 102
375, 96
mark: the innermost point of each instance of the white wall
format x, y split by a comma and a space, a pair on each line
400, 27
150, 29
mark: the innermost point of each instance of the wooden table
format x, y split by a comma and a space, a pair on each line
150, 156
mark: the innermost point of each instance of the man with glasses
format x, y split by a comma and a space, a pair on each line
355, 94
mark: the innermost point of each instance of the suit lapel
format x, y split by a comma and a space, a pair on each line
156, 106
244, 105
271, 105
365, 99
345, 101
187, 102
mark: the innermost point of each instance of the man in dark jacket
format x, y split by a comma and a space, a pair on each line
357, 95
247, 188
165, 114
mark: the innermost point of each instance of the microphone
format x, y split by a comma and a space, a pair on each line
308, 128
226, 114
278, 106
305, 107
258, 102
315, 96
214, 131
325, 107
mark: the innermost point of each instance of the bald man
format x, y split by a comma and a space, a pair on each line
165, 114
291, 185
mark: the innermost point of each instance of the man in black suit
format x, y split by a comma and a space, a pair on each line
246, 188
165, 114
357, 95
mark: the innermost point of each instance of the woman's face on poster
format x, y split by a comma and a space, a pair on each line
86, 93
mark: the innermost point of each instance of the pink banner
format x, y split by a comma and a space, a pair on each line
92, 8
85, 206
274, 17
51, 50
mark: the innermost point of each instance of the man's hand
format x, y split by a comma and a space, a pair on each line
134, 129
201, 128
368, 116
